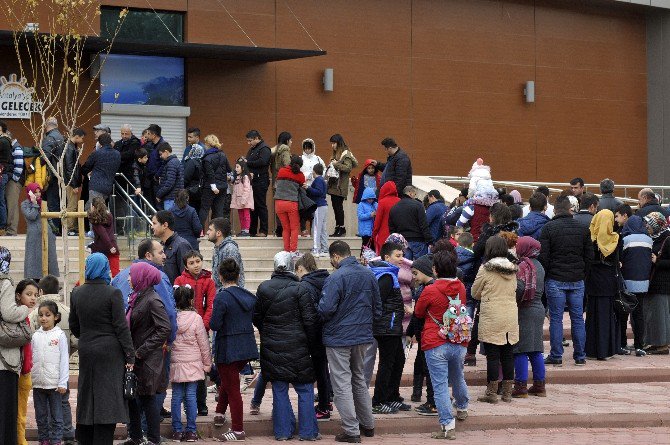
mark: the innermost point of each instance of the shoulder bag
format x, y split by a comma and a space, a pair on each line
625, 302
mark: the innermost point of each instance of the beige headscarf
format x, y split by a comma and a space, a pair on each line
602, 232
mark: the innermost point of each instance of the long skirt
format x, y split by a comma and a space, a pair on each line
656, 320
602, 329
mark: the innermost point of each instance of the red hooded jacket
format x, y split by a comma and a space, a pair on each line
434, 298
388, 197
357, 181
204, 291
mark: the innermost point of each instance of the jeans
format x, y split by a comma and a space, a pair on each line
259, 215
287, 212
168, 204
68, 429
445, 364
521, 366
416, 249
498, 356
351, 395
48, 402
283, 418
151, 408
184, 391
389, 370
259, 390
558, 294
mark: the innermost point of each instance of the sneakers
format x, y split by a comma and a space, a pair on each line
322, 416
177, 436
344, 437
219, 421
446, 432
232, 436
623, 351
311, 439
295, 255
367, 432
255, 409
243, 233
400, 406
426, 410
165, 414
565, 343
190, 436
553, 361
383, 408
461, 414
640, 353
580, 362
203, 412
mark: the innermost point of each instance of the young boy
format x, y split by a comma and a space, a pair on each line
422, 276
49, 290
369, 178
171, 178
367, 209
317, 192
466, 264
204, 290
138, 179
388, 331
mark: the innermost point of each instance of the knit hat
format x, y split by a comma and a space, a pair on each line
398, 239
424, 264
657, 222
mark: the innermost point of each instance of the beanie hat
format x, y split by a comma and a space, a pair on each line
424, 264
398, 239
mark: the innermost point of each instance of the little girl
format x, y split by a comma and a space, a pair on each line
50, 374
243, 197
26, 295
104, 241
191, 359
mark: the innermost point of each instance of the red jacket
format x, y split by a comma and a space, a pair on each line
480, 217
434, 298
204, 292
104, 237
357, 181
388, 197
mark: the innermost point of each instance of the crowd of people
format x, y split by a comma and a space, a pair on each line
484, 270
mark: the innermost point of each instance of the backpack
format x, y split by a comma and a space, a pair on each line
193, 187
456, 324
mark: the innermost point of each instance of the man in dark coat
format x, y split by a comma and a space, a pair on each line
102, 164
258, 161
588, 206
408, 218
72, 175
649, 203
565, 255
607, 199
53, 144
397, 168
174, 245
126, 146
171, 178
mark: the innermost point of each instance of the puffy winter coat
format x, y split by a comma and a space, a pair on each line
398, 168
243, 195
171, 179
388, 197
393, 310
359, 181
435, 299
288, 323
344, 163
191, 357
51, 360
204, 292
287, 184
532, 224
312, 284
566, 249
187, 225
103, 165
434, 214
308, 163
215, 167
232, 320
365, 219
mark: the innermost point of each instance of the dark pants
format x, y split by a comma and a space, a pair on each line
637, 322
421, 372
52, 196
338, 208
9, 406
149, 405
98, 434
259, 215
201, 396
497, 356
229, 393
48, 414
215, 203
389, 369
320, 363
474, 340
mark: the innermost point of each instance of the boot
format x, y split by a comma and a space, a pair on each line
336, 233
417, 387
490, 395
520, 390
343, 231
470, 360
538, 389
507, 390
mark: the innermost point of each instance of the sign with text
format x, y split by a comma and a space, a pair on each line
16, 99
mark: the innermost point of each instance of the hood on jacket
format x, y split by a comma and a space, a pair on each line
502, 266
447, 286
388, 189
313, 153
368, 162
184, 320
368, 194
179, 213
283, 262
634, 226
316, 278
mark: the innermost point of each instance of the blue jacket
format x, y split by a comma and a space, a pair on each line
349, 304
163, 289
187, 225
103, 165
532, 224
232, 320
365, 219
317, 191
434, 214
466, 262
635, 258
171, 179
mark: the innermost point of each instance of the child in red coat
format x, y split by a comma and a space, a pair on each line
200, 280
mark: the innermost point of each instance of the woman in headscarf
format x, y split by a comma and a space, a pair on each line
193, 174
531, 319
31, 208
105, 349
150, 329
602, 329
656, 307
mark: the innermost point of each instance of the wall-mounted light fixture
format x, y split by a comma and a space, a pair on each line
328, 79
529, 91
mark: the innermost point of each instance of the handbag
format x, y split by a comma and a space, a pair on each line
625, 301
14, 335
129, 385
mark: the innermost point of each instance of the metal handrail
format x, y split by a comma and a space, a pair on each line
142, 198
134, 204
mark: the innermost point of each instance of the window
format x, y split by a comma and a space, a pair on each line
143, 25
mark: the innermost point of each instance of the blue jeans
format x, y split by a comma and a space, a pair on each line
521, 366
48, 404
184, 391
445, 365
558, 294
259, 390
416, 249
283, 418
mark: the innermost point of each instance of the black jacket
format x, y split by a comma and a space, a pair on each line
176, 249
71, 166
602, 277
652, 206
608, 201
258, 160
215, 169
193, 176
487, 232
398, 168
660, 275
171, 179
566, 249
6, 158
127, 149
393, 310
408, 218
312, 284
287, 321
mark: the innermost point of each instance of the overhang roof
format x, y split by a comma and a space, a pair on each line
188, 50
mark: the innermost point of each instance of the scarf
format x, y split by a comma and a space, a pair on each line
196, 152
33, 187
526, 248
5, 260
27, 351
657, 223
602, 232
97, 268
634, 226
517, 196
142, 277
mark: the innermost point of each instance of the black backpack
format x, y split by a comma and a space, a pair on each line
195, 187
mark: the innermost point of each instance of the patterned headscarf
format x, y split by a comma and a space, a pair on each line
398, 239
5, 259
657, 223
196, 152
526, 248
284, 262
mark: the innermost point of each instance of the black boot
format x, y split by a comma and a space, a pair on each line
417, 387
336, 233
343, 231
